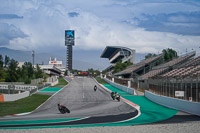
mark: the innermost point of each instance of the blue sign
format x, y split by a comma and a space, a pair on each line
69, 37
69, 33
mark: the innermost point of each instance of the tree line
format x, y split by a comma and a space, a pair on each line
168, 54
11, 72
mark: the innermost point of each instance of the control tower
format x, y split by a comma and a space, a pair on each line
69, 42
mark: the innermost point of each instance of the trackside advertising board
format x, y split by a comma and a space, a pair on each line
179, 93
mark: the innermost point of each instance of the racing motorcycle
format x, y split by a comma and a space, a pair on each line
118, 98
63, 109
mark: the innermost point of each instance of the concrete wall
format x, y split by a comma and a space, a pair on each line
25, 87
178, 104
14, 97
54, 83
36, 81
121, 87
19, 87
52, 80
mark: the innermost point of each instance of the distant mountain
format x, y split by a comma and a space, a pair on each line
26, 56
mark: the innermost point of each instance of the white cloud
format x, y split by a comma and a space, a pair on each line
45, 22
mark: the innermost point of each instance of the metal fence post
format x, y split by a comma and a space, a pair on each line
173, 88
191, 90
185, 97
197, 89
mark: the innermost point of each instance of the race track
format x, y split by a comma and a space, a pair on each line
86, 106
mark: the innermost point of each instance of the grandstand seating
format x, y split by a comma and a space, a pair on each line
190, 68
190, 71
192, 62
139, 65
164, 67
153, 73
176, 61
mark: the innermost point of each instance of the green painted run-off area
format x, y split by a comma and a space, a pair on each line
50, 89
150, 111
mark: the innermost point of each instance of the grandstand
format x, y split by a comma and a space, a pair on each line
184, 77
117, 53
163, 68
141, 67
175, 84
54, 68
51, 70
181, 73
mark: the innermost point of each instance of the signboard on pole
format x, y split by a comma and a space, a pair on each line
190, 99
69, 37
179, 93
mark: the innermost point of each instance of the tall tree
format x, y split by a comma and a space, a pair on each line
38, 73
12, 75
29, 68
1, 68
7, 60
119, 66
1, 61
169, 54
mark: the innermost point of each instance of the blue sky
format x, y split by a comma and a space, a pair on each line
144, 25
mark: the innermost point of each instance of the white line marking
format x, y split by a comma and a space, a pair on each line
124, 100
82, 89
51, 97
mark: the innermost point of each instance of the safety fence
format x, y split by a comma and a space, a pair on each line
121, 87
124, 84
131, 83
108, 77
186, 89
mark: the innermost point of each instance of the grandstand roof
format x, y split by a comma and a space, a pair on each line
109, 50
108, 68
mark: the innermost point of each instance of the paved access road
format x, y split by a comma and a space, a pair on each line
80, 98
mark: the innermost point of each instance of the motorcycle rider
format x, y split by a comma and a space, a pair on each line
63, 109
117, 96
113, 95
95, 88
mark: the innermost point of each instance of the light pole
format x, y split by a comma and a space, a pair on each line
33, 55
186, 51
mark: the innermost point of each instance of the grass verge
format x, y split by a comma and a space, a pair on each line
61, 83
27, 104
101, 81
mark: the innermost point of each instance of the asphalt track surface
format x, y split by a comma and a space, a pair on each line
83, 102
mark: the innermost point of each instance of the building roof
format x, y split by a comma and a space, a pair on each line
109, 50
